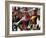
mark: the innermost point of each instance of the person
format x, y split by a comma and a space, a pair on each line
26, 20
33, 18
15, 17
14, 14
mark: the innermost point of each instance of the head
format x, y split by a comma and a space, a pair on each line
26, 9
15, 12
34, 11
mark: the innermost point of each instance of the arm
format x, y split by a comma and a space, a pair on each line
23, 18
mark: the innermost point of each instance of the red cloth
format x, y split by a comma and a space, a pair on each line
23, 24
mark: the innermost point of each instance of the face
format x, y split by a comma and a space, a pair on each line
33, 12
23, 14
15, 13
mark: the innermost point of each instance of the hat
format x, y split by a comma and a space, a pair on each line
14, 9
35, 9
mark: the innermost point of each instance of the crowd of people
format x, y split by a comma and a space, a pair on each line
25, 19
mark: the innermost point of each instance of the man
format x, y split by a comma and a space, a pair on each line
15, 18
33, 18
